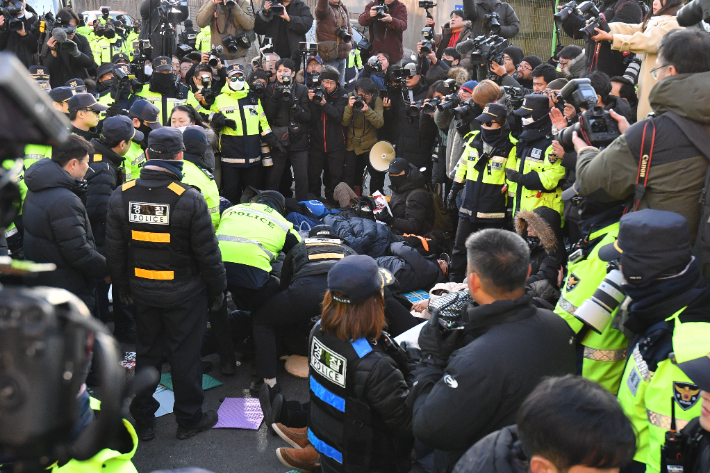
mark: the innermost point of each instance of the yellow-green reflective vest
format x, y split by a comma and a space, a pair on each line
252, 116
34, 153
157, 99
107, 460
604, 355
202, 179
646, 396
253, 235
549, 169
132, 36
203, 40
20, 180
104, 49
133, 162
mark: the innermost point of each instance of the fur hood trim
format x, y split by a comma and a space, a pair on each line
539, 225
460, 74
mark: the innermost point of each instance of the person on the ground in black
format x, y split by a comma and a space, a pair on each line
355, 366
541, 76
327, 149
523, 73
542, 231
163, 85
107, 173
286, 30
411, 203
72, 58
411, 269
698, 430
289, 115
478, 11
56, 225
151, 28
598, 55
84, 115
460, 394
22, 43
547, 436
160, 241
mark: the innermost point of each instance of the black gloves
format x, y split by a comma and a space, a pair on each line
271, 140
230, 124
276, 96
513, 176
126, 297
384, 216
451, 199
219, 121
217, 302
436, 344
114, 110
71, 47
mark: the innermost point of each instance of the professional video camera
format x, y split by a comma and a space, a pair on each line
380, 10
277, 9
516, 94
595, 126
359, 103
586, 10
315, 85
215, 54
493, 22
286, 86
173, 11
60, 33
694, 12
488, 50
10, 9
374, 64
233, 43
343, 34
580, 93
428, 43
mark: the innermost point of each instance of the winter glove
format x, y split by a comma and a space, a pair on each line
451, 199
271, 140
218, 121
71, 47
126, 297
230, 124
384, 216
513, 176
436, 344
217, 302
114, 110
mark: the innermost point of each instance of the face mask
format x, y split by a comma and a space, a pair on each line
398, 181
447, 62
527, 121
182, 128
533, 242
494, 136
162, 81
237, 85
104, 85
145, 129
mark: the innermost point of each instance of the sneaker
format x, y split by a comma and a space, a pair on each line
145, 433
297, 438
271, 400
209, 419
302, 459
228, 367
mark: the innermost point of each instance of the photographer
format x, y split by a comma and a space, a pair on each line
332, 28
151, 28
71, 58
505, 72
188, 35
491, 17
676, 174
523, 74
387, 21
289, 113
547, 435
327, 151
21, 42
459, 394
314, 65
225, 18
572, 64
377, 70
600, 56
109, 84
287, 29
201, 95
361, 125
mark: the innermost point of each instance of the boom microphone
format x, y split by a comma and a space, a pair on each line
466, 47
60, 35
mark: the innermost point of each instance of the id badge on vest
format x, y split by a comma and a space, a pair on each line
329, 364
145, 212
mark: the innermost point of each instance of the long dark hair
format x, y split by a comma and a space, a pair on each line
194, 116
670, 7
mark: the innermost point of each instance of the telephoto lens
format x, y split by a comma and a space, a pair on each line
596, 311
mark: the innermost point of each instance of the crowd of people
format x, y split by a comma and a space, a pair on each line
553, 213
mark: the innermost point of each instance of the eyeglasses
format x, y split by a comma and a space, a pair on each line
524, 68
654, 71
236, 78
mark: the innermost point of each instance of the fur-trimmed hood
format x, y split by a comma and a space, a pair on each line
545, 222
460, 74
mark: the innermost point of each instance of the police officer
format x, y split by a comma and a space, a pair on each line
352, 70
196, 172
533, 178
251, 236
203, 40
602, 355
189, 34
164, 91
145, 119
117, 97
84, 112
696, 435
241, 122
669, 317
60, 100
481, 172
13, 232
164, 258
353, 368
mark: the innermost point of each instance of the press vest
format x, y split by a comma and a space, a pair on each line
317, 255
34, 153
157, 249
133, 162
646, 395
164, 104
340, 426
252, 235
204, 180
484, 197
603, 355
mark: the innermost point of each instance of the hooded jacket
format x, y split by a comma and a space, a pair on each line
57, 230
329, 18
296, 29
677, 170
387, 36
412, 205
103, 176
476, 10
327, 133
364, 236
65, 66
411, 269
361, 128
497, 452
234, 21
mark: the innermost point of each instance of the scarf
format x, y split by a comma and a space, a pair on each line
170, 165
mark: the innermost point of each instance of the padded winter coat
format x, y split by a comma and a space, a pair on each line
103, 177
367, 237
412, 214
412, 270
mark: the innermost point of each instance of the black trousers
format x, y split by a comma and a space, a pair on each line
299, 162
355, 165
457, 270
334, 164
222, 330
251, 299
236, 179
293, 307
179, 331
123, 321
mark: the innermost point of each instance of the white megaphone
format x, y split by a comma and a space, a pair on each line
380, 155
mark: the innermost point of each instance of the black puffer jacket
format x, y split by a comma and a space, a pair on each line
476, 11
57, 230
281, 114
403, 132
296, 29
497, 452
327, 133
413, 214
509, 346
65, 67
364, 236
103, 177
191, 212
412, 270
24, 47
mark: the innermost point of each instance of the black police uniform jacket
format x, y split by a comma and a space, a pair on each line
412, 205
326, 131
313, 256
104, 176
293, 115
509, 347
359, 420
57, 230
157, 269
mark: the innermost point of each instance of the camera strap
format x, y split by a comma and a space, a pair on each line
644, 162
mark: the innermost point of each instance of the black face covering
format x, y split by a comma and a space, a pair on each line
162, 83
497, 137
398, 181
145, 129
103, 85
447, 62
533, 243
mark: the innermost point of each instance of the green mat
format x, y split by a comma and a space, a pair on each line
208, 382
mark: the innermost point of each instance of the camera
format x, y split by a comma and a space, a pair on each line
343, 34
374, 63
596, 311
233, 43
431, 105
580, 93
10, 9
215, 54
315, 85
426, 4
427, 40
380, 10
448, 102
567, 10
488, 50
596, 22
466, 110
364, 46
173, 11
595, 126
414, 109
230, 3
277, 9
286, 93
258, 88
359, 102
493, 21
694, 12
516, 94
